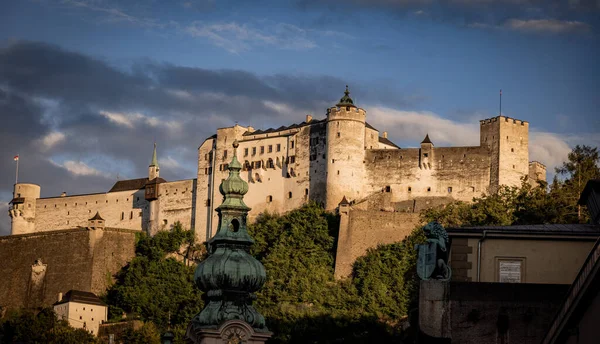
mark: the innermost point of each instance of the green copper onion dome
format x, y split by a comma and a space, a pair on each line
230, 275
346, 100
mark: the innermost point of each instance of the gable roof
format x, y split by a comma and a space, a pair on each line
81, 297
388, 142
132, 184
426, 139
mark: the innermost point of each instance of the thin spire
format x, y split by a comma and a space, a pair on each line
426, 139
154, 161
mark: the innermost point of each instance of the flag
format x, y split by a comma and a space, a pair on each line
16, 158
500, 92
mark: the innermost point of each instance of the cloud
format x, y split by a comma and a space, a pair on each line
112, 14
548, 148
78, 168
236, 38
547, 26
51, 140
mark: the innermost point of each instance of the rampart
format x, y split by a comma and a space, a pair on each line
361, 230
36, 267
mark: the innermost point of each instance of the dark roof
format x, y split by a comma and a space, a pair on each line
97, 217
370, 126
282, 128
545, 229
17, 200
344, 201
388, 142
81, 297
426, 139
593, 184
346, 100
157, 180
131, 184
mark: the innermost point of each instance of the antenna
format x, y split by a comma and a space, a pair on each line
500, 114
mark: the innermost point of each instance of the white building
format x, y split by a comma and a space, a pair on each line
81, 309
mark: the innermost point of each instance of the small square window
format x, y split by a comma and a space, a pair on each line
449, 189
253, 150
428, 188
425, 155
278, 147
270, 149
245, 151
225, 154
262, 149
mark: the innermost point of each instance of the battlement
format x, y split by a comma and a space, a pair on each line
515, 121
346, 113
537, 164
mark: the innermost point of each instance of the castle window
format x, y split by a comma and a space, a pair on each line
409, 189
205, 156
165, 222
257, 177
269, 199
464, 155
507, 137
245, 151
75, 203
292, 159
270, 163
347, 108
262, 149
44, 207
323, 156
68, 213
55, 206
131, 215
278, 147
388, 188
225, 154
512, 150
65, 204
270, 149
290, 194
253, 150
122, 216
306, 192
207, 202
137, 199
514, 166
449, 189
332, 161
257, 164
206, 170
425, 155
338, 134
338, 172
428, 188
292, 144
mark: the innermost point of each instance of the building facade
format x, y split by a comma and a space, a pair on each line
321, 160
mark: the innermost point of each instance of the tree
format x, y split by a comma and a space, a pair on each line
155, 286
582, 165
42, 327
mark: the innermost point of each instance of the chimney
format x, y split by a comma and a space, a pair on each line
59, 297
63, 194
385, 134
308, 118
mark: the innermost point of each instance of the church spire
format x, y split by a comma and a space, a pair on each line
229, 275
153, 169
154, 161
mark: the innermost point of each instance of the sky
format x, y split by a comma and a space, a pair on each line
87, 86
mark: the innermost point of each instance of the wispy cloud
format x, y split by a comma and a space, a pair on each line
130, 120
235, 37
50, 140
78, 168
547, 26
113, 14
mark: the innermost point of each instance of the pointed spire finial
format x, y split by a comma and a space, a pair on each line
154, 161
426, 139
346, 100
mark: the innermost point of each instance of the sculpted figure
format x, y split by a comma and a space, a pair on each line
432, 261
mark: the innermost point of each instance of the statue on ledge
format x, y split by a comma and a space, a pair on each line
432, 260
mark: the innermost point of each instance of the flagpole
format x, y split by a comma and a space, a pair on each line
17, 174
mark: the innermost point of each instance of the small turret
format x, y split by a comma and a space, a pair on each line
426, 153
96, 222
153, 169
22, 208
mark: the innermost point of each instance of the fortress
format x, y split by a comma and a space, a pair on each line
338, 159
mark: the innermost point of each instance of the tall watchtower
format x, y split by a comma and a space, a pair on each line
345, 151
22, 208
508, 141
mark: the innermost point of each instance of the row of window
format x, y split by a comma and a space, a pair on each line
137, 199
253, 165
270, 198
262, 149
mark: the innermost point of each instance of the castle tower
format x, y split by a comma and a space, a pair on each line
22, 208
153, 169
426, 156
345, 151
508, 141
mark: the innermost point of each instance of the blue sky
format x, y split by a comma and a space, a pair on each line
86, 86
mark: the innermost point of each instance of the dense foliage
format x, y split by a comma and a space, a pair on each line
41, 327
304, 303
156, 285
554, 203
